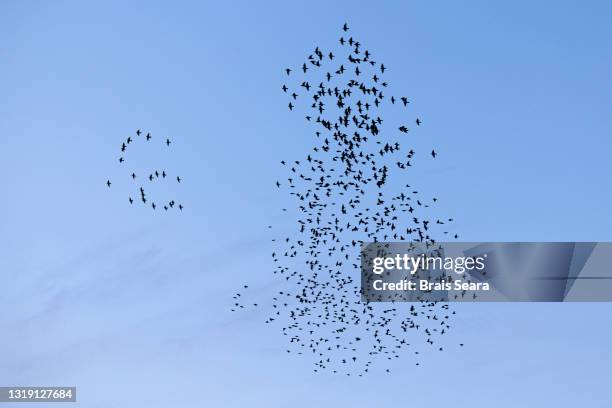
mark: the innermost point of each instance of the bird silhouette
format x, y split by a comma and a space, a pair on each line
124, 158
344, 198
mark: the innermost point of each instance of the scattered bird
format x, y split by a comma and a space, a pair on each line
130, 144
344, 198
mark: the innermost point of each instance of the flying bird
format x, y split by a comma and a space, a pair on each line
346, 193
155, 174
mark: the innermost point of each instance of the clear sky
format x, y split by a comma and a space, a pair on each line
133, 307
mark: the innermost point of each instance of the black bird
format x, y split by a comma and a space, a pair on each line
131, 201
108, 183
178, 179
133, 176
352, 157
167, 142
345, 27
138, 132
148, 137
418, 122
433, 154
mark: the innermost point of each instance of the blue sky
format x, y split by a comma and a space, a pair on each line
134, 308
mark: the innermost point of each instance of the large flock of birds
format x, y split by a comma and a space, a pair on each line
154, 176
344, 197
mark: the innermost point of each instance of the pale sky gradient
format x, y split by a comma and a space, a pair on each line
133, 308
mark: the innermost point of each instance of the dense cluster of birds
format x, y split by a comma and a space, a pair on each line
349, 190
142, 179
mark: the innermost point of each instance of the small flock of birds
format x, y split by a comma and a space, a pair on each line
344, 197
151, 177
